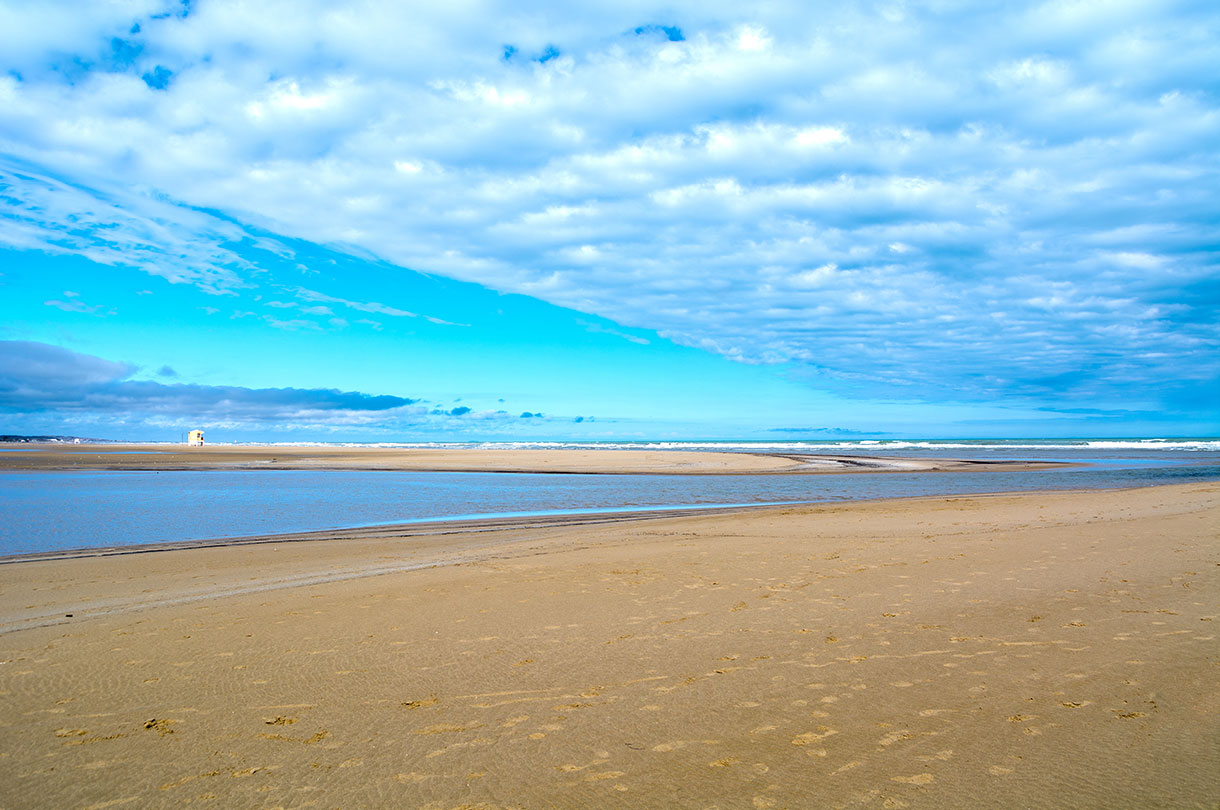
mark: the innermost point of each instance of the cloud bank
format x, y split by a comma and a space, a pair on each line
39, 378
62, 389
921, 200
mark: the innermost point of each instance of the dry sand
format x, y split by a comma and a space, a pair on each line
1012, 651
657, 462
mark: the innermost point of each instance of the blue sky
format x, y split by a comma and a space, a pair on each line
360, 221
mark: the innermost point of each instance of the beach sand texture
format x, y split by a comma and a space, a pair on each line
274, 457
1013, 651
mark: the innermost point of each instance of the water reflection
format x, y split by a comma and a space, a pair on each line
58, 510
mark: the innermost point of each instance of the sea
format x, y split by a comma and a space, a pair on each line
59, 511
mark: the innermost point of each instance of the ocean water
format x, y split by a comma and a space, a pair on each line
45, 511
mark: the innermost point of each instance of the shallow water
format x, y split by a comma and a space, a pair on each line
44, 511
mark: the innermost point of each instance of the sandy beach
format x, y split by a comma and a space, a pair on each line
1012, 651
590, 462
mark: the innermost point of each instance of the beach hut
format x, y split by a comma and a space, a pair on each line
195, 438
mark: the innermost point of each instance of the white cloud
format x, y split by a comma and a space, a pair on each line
877, 180
753, 38
361, 306
72, 303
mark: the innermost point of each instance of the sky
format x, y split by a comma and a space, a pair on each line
373, 221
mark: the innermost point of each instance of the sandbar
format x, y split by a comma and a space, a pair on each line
519, 460
1010, 651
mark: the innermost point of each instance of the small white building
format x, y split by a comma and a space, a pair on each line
195, 438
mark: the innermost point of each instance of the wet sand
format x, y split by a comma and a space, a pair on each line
653, 462
1012, 651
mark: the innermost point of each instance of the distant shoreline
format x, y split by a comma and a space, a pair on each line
138, 457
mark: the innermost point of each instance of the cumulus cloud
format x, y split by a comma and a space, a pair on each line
925, 199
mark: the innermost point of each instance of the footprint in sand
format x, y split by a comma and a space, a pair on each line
160, 726
917, 779
810, 737
896, 736
414, 778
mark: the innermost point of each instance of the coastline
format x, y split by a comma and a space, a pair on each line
1050, 648
134, 457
